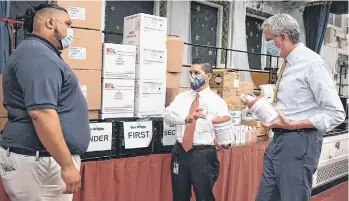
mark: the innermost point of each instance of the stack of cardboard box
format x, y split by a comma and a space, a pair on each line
227, 86
119, 62
148, 33
85, 54
3, 111
175, 49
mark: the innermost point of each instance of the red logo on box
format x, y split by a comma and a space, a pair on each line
109, 86
111, 51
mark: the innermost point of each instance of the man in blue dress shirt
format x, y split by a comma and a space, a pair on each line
308, 106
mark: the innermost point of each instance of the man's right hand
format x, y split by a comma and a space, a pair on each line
72, 179
198, 114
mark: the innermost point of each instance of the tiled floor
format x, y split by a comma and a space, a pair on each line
337, 193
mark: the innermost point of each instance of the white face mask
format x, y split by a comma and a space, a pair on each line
68, 39
272, 49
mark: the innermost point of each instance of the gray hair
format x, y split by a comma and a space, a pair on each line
283, 23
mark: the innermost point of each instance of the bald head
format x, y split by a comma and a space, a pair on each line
51, 22
46, 15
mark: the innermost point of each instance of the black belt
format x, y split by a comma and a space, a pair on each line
200, 147
26, 152
280, 130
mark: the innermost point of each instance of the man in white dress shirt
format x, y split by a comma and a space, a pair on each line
194, 157
309, 106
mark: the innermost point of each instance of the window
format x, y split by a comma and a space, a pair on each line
205, 21
254, 34
115, 11
338, 21
346, 25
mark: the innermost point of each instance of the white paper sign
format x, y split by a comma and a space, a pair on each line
138, 134
76, 13
169, 135
101, 136
77, 53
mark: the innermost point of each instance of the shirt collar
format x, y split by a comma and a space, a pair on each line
43, 40
203, 92
294, 54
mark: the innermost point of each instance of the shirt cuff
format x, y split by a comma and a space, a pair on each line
313, 120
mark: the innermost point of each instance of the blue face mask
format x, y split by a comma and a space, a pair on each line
272, 49
197, 82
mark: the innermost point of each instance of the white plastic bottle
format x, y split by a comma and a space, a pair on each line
260, 107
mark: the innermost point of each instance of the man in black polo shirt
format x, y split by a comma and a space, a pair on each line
48, 125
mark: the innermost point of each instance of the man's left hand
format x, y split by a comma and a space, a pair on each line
281, 122
221, 146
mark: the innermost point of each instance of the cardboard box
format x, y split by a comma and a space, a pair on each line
93, 114
227, 93
146, 30
150, 97
116, 115
175, 51
256, 124
3, 121
86, 50
84, 14
118, 98
172, 80
222, 78
171, 93
90, 84
259, 78
246, 87
150, 63
119, 61
3, 111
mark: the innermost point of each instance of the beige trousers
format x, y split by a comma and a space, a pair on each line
28, 178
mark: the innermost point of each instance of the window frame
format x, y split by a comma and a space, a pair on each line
219, 29
264, 50
332, 24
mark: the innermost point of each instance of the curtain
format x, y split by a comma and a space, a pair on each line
315, 18
339, 7
115, 11
178, 23
238, 42
203, 21
5, 34
254, 34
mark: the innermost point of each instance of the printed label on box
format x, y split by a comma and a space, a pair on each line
152, 88
84, 90
155, 56
138, 134
77, 13
236, 83
169, 135
101, 136
118, 96
77, 53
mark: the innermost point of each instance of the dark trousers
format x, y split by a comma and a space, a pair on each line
290, 161
198, 167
